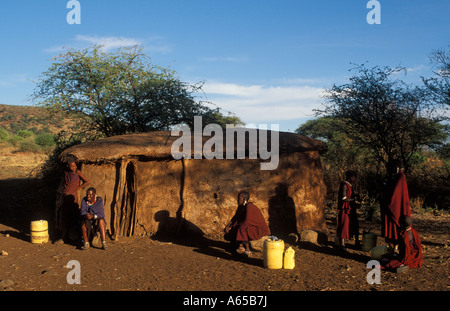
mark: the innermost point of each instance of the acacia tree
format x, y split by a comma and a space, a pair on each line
119, 93
384, 115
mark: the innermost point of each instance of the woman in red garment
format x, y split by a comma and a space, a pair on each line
347, 218
410, 248
395, 204
247, 224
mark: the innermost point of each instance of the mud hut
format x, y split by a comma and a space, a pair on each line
146, 190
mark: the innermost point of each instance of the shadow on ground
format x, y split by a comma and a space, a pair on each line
22, 201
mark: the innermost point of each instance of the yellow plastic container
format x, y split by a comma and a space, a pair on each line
273, 254
369, 241
289, 258
39, 231
378, 251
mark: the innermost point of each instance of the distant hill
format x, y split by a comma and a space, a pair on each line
35, 119
26, 139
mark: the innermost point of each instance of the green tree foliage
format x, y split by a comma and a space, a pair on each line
427, 177
119, 92
112, 94
4, 134
24, 133
384, 115
45, 140
374, 119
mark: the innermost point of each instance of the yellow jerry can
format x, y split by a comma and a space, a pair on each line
273, 254
289, 258
39, 231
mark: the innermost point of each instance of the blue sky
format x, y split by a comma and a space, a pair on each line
267, 61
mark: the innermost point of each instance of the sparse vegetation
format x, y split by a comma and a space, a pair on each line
30, 129
375, 119
120, 92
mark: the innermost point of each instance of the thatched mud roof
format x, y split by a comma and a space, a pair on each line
158, 145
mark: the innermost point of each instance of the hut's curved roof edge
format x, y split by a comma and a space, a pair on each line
158, 144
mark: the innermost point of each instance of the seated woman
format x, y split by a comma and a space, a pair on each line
410, 248
247, 224
92, 218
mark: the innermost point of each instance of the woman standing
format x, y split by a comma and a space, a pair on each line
69, 215
347, 221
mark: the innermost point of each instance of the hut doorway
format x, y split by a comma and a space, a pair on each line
126, 209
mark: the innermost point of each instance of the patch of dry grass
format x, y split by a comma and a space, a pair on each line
14, 164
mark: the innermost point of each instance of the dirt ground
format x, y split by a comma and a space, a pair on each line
203, 264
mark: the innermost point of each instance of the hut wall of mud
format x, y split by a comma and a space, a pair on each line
147, 191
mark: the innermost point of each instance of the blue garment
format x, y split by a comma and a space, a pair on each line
94, 209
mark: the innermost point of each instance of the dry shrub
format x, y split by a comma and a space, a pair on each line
428, 183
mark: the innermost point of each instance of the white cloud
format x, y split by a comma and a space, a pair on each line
417, 68
259, 103
108, 43
154, 44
